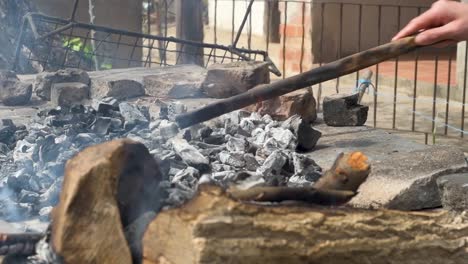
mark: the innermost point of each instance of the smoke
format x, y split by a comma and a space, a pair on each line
9, 210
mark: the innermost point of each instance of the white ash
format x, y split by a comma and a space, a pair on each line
238, 148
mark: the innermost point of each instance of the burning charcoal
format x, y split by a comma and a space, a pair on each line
267, 119
205, 132
190, 155
273, 164
177, 196
235, 144
215, 140
84, 139
212, 152
28, 197
255, 180
132, 115
48, 150
247, 125
232, 159
284, 137
344, 110
167, 129
259, 136
176, 108
44, 213
34, 184
19, 180
102, 125
307, 136
188, 177
69, 94
4, 149
216, 167
303, 164
268, 148
299, 181
106, 105
155, 124
224, 177
251, 163
231, 128
187, 135
116, 124
20, 135
7, 131
205, 179
54, 169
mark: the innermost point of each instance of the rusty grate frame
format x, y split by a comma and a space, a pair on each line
56, 43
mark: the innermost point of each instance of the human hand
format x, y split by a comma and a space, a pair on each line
445, 23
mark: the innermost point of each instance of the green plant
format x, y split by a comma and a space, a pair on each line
76, 44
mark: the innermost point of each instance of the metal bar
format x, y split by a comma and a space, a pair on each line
133, 52
447, 102
359, 37
285, 26
233, 20
416, 64
19, 44
340, 45
268, 28
148, 15
322, 21
249, 32
215, 29
395, 88
464, 91
377, 67
68, 47
141, 35
244, 20
434, 92
75, 8
303, 39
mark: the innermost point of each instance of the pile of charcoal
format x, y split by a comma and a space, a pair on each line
240, 148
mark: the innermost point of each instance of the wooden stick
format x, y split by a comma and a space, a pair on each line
304, 194
327, 72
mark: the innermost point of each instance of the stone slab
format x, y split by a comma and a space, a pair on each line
404, 173
164, 82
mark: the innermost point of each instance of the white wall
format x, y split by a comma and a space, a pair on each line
224, 15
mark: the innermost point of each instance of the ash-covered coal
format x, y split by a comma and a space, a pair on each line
239, 148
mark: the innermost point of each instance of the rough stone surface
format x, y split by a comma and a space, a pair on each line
69, 94
344, 110
226, 80
12, 91
453, 190
179, 81
106, 188
176, 82
45, 81
404, 173
300, 103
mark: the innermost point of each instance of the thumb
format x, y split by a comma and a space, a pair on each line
434, 35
